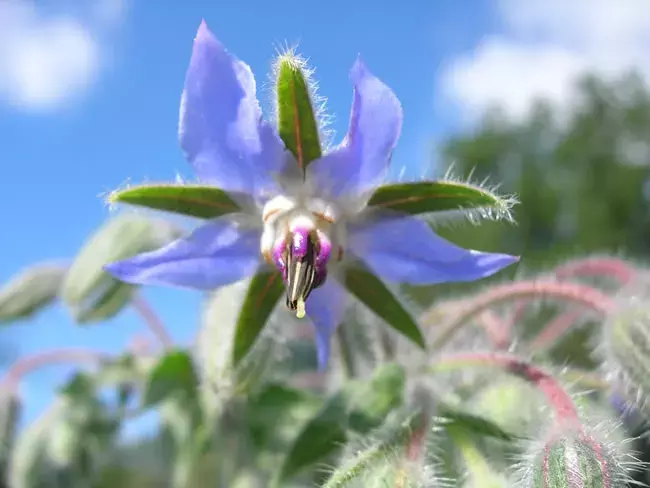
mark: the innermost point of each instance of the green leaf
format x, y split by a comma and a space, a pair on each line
91, 293
456, 418
30, 291
173, 376
373, 400
263, 294
436, 196
274, 414
323, 434
297, 124
79, 389
372, 292
202, 201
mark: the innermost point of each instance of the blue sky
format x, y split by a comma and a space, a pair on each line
80, 116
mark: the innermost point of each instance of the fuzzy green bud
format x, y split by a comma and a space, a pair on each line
576, 460
626, 342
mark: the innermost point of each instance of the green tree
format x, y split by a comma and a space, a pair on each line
581, 175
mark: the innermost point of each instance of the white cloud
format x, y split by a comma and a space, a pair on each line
545, 46
47, 60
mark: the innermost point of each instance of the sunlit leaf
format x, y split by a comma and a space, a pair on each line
90, 292
371, 291
201, 201
437, 196
297, 123
30, 291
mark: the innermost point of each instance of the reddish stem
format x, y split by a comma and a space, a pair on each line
497, 330
153, 321
29, 364
414, 447
572, 292
612, 267
559, 400
555, 329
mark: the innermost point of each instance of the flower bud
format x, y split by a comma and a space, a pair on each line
626, 342
576, 460
216, 339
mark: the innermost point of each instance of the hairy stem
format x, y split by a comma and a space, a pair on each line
152, 320
556, 395
570, 292
614, 268
611, 267
554, 330
414, 447
496, 329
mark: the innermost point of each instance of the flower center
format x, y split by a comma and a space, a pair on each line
302, 259
297, 241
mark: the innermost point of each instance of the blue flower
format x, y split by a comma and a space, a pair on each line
307, 224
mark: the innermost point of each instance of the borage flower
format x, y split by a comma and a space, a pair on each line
307, 218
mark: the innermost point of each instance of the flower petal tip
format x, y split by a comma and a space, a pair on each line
205, 36
494, 262
359, 70
203, 29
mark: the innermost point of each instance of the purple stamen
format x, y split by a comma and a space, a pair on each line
302, 258
300, 242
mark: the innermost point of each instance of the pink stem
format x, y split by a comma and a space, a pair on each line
557, 397
572, 292
555, 329
152, 320
517, 313
414, 447
496, 329
613, 267
27, 365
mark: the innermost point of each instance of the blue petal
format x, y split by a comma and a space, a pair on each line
221, 128
214, 255
361, 162
325, 308
404, 249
